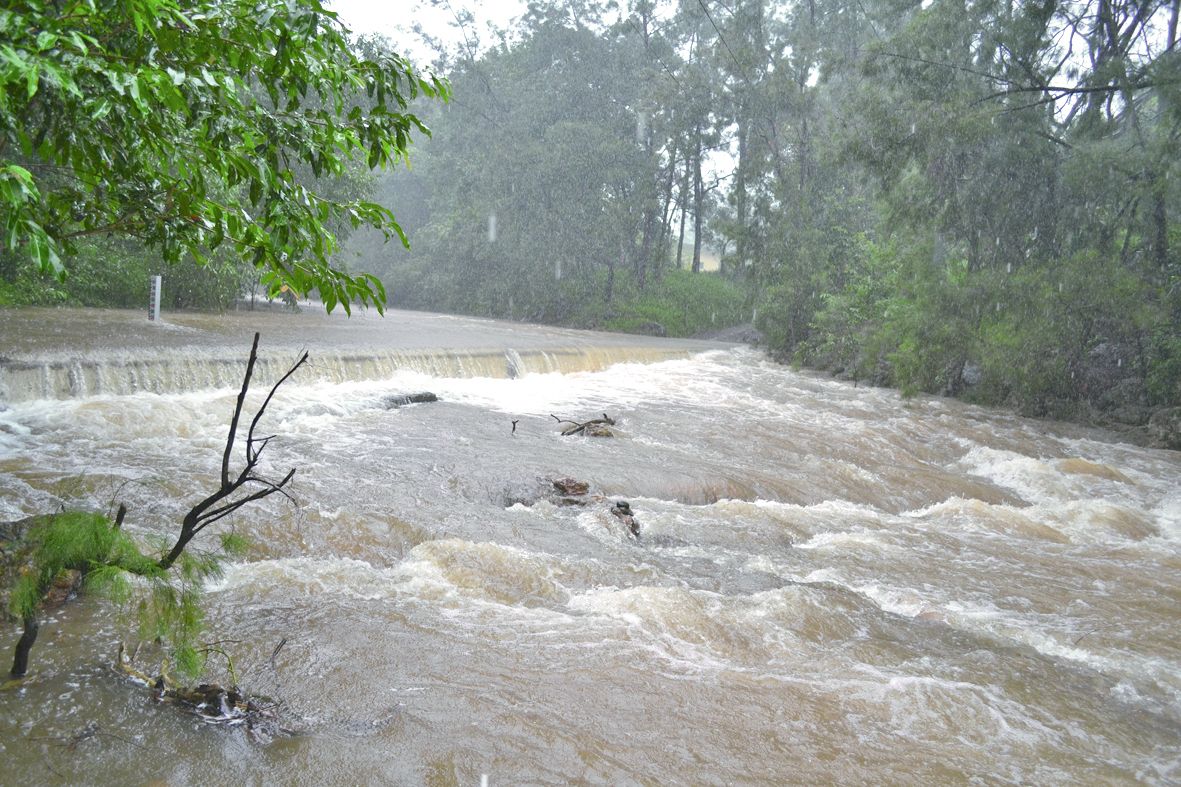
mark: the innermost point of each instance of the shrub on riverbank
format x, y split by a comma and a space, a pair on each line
111, 273
678, 303
1084, 338
681, 302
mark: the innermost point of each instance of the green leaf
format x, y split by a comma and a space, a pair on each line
79, 42
13, 58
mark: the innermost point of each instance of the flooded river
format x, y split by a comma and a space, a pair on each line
831, 585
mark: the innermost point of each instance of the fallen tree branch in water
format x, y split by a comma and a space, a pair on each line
213, 703
596, 427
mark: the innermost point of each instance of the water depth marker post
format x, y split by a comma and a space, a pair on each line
154, 299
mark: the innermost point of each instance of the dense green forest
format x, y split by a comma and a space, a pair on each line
976, 198
973, 198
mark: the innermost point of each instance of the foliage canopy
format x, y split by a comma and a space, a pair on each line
187, 124
976, 199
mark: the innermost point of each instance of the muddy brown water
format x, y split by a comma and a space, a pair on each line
832, 585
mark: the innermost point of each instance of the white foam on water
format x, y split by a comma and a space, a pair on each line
899, 601
603, 526
802, 521
1100, 521
13, 437
1032, 479
622, 384
305, 576
927, 707
760, 564
1168, 516
676, 625
1031, 631
960, 515
418, 582
848, 541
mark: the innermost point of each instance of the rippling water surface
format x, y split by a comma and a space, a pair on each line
831, 585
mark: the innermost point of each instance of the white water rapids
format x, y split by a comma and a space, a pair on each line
832, 585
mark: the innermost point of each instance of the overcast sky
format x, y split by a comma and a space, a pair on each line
437, 17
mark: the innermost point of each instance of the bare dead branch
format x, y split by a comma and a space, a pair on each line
302, 360
269, 488
225, 457
222, 502
581, 427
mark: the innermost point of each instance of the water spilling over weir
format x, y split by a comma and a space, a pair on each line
51, 354
831, 585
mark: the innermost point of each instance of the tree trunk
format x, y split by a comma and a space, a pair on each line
666, 217
1160, 222
740, 192
698, 200
1171, 41
20, 660
684, 211
644, 258
609, 291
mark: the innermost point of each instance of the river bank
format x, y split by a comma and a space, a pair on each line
1108, 398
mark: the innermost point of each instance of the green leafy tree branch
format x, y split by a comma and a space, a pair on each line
184, 125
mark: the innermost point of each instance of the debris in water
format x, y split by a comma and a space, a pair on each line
213, 703
569, 487
596, 427
394, 401
623, 512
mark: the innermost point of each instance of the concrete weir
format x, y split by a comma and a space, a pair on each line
72, 353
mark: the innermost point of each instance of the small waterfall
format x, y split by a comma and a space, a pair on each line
514, 364
122, 374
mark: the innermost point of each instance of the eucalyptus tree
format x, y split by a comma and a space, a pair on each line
697, 116
541, 180
649, 57
793, 206
1023, 154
